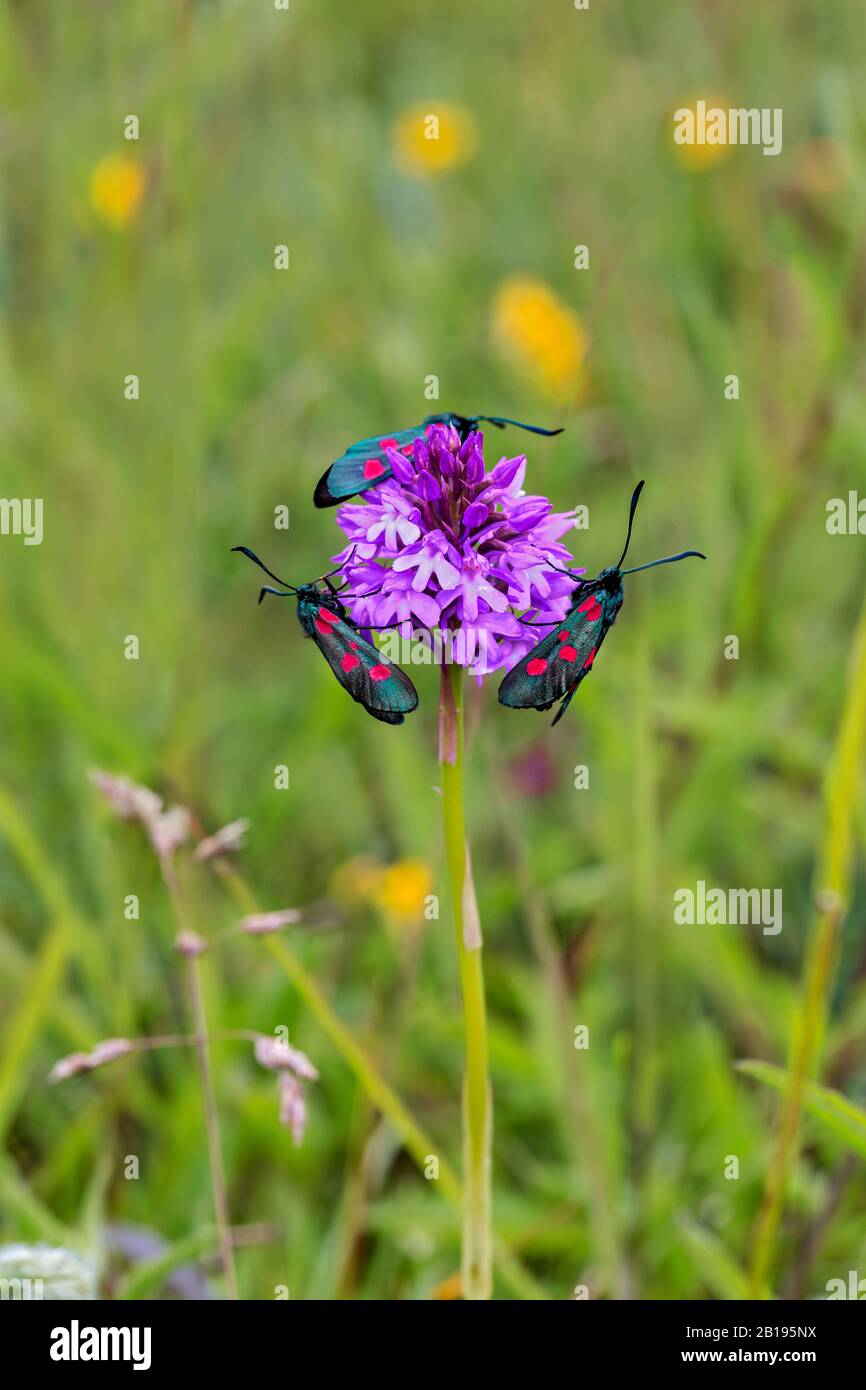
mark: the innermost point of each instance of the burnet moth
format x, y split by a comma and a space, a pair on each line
365, 464
556, 666
382, 688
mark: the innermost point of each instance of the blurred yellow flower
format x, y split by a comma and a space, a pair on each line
357, 879
539, 332
700, 154
433, 138
116, 189
403, 888
399, 890
450, 1288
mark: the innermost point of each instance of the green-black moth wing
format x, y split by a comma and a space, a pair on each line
559, 662
363, 466
382, 688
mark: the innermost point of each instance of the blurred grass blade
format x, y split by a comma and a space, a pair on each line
33, 1221
33, 857
41, 989
718, 1269
835, 1111
24, 1028
833, 888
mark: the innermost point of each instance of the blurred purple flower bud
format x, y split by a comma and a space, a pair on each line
225, 841
276, 1055
190, 944
107, 1051
68, 1066
169, 830
260, 923
293, 1107
128, 799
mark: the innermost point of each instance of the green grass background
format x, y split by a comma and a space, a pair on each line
258, 128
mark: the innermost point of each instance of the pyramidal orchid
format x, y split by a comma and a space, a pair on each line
445, 544
445, 547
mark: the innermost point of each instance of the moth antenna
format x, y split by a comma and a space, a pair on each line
277, 593
251, 555
634, 501
569, 574
500, 422
369, 593
668, 560
339, 567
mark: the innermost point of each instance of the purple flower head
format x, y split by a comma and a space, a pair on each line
106, 1051
293, 1067
445, 544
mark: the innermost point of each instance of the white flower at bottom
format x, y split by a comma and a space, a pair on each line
62, 1274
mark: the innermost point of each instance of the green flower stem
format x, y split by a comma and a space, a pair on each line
477, 1101
833, 887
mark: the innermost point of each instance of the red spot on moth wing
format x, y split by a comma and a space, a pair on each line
536, 666
567, 653
354, 646
408, 448
590, 659
387, 443
592, 608
379, 673
350, 661
563, 636
373, 468
325, 619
